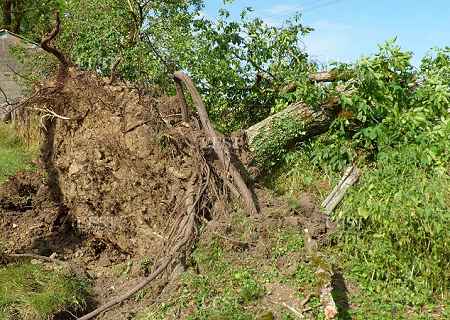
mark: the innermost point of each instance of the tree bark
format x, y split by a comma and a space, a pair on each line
315, 121
7, 17
297, 123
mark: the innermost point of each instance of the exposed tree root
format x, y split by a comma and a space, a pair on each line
220, 148
34, 256
45, 43
114, 71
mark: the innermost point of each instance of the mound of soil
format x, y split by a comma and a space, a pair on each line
116, 163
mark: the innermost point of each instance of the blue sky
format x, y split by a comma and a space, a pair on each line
345, 29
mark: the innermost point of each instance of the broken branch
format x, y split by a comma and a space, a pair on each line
323, 273
350, 176
49, 37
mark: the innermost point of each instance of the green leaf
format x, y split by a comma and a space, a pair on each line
363, 213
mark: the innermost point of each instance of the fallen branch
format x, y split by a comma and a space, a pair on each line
188, 231
219, 147
321, 77
34, 256
323, 273
331, 76
23, 102
350, 176
297, 312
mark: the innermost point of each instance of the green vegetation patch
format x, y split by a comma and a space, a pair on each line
29, 291
15, 151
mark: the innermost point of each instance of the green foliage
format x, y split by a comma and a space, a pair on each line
395, 107
402, 138
30, 291
406, 213
28, 17
241, 67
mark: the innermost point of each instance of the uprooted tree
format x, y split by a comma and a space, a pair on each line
262, 82
98, 164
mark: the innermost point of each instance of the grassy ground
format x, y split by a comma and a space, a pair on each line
16, 151
391, 252
390, 243
30, 291
409, 206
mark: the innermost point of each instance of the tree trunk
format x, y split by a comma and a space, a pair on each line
284, 130
7, 17
297, 123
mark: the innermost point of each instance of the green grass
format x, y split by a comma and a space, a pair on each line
18, 147
225, 281
29, 291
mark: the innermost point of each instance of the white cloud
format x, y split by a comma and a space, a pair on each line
282, 9
437, 35
327, 25
272, 22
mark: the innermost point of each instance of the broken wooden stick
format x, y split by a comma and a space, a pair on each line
323, 273
350, 176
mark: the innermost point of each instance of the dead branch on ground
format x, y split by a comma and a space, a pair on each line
323, 273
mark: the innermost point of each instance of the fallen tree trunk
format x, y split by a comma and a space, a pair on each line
281, 131
297, 123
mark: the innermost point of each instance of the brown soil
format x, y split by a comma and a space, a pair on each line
113, 185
